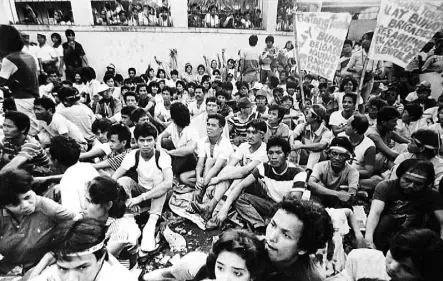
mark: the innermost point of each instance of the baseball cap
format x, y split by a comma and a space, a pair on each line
244, 103
102, 88
425, 85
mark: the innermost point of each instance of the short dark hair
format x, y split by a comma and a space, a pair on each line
108, 77
222, 93
139, 86
273, 80
12, 40
227, 86
180, 114
281, 110
387, 113
166, 89
46, 103
65, 150
102, 124
352, 96
378, 103
429, 138
277, 141
132, 94
180, 82
14, 182
174, 72
20, 120
123, 133
258, 125
417, 165
69, 32
253, 39
347, 41
360, 123
132, 69
72, 237
127, 110
145, 129
291, 85
317, 224
269, 38
221, 119
210, 99
104, 189
67, 82
343, 142
424, 248
414, 110
137, 114
285, 98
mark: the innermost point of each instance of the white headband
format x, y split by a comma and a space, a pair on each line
91, 250
340, 149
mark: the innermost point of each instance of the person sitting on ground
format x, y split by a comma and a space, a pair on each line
364, 151
223, 108
261, 101
100, 147
374, 106
235, 254
26, 221
339, 119
197, 107
79, 250
126, 116
292, 117
309, 139
424, 98
241, 120
248, 155
54, 124
179, 140
119, 138
382, 134
414, 254
77, 112
131, 98
297, 230
162, 111
19, 149
65, 155
275, 126
334, 182
256, 197
152, 181
214, 152
106, 202
411, 121
107, 106
199, 123
403, 203
424, 146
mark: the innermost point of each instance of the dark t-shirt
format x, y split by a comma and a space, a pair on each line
72, 56
411, 208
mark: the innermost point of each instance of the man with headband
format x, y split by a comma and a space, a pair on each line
79, 251
334, 182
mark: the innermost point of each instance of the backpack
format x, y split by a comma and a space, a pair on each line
132, 173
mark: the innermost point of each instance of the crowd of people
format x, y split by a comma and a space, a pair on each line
289, 155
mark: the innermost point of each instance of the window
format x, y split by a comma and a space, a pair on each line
132, 12
43, 12
244, 14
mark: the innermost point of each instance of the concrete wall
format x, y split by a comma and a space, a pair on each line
132, 46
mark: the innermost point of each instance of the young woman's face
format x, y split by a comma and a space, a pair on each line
188, 69
213, 64
206, 85
230, 64
231, 267
92, 210
110, 83
161, 85
348, 87
180, 88
154, 89
102, 136
55, 40
161, 74
200, 70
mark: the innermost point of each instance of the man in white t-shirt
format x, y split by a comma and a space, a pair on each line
214, 152
247, 156
198, 106
180, 140
339, 119
53, 124
46, 55
152, 181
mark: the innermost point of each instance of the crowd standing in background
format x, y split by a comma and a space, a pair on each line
84, 156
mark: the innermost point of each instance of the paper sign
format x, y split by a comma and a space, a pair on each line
320, 38
403, 28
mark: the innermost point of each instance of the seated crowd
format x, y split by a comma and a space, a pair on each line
87, 159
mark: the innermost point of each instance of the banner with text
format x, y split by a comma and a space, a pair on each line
320, 38
403, 28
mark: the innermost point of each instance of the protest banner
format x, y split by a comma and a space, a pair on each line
320, 38
403, 28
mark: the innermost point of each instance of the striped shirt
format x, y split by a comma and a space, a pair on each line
239, 127
82, 116
115, 159
251, 60
30, 149
280, 184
